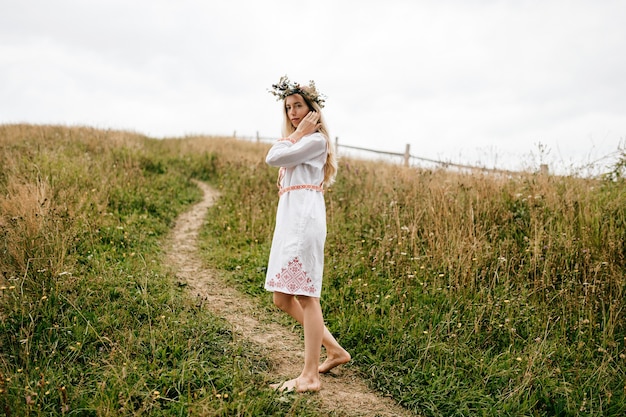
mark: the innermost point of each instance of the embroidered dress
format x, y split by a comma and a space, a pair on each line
296, 262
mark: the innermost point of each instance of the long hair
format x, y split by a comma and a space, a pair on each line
330, 167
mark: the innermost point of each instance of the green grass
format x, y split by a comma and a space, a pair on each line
457, 295
91, 321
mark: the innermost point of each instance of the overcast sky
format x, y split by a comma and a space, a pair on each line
469, 81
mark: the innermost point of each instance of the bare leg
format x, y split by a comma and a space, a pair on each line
335, 354
313, 323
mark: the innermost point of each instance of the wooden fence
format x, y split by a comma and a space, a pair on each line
406, 156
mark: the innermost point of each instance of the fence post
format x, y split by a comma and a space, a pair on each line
407, 154
258, 138
336, 144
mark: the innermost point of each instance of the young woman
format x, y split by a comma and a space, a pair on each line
296, 262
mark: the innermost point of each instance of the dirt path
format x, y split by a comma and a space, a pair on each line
342, 391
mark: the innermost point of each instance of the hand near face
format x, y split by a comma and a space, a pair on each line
309, 124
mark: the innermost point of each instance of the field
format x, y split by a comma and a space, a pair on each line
456, 294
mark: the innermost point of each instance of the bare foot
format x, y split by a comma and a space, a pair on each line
298, 385
286, 386
333, 360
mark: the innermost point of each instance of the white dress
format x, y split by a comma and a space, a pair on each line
296, 262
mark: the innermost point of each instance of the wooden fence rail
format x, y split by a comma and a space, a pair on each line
407, 157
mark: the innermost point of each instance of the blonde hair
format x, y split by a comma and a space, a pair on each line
330, 167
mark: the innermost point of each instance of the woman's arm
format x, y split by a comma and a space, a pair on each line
286, 153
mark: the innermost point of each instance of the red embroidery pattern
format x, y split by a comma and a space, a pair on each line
301, 187
293, 278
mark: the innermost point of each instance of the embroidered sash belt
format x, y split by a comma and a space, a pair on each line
301, 187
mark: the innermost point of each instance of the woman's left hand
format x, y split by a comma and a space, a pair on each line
309, 124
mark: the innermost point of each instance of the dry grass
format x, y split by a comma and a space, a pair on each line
91, 322
456, 294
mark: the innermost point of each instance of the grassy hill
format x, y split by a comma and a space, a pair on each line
456, 294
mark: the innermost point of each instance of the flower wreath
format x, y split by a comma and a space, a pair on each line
285, 88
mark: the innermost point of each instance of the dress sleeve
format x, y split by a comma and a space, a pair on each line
286, 154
